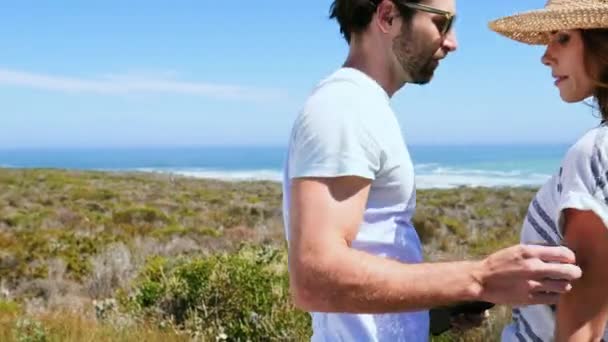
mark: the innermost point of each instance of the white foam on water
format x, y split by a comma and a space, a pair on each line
225, 175
429, 177
445, 181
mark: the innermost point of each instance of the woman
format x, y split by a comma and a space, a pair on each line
572, 207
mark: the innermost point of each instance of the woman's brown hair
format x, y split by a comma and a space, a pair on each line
596, 65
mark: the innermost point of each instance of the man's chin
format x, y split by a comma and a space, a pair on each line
423, 80
425, 77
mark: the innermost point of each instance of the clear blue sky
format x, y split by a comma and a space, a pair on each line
201, 72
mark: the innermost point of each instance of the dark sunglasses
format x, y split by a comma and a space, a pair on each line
449, 16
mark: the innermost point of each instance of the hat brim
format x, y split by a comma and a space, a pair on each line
533, 27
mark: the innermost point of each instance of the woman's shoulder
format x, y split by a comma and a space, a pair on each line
593, 144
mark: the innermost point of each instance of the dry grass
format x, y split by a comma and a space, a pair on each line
69, 327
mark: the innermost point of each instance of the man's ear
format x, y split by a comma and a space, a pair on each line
385, 14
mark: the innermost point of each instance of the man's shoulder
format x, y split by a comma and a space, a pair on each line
333, 98
344, 92
346, 102
338, 86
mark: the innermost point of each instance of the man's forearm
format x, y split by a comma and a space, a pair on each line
352, 281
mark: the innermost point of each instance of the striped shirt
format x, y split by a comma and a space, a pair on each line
581, 183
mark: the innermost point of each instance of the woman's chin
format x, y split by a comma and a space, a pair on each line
571, 98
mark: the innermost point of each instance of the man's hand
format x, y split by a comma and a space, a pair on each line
528, 275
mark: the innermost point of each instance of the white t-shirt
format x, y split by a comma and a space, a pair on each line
347, 127
581, 183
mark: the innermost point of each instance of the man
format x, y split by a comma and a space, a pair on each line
355, 259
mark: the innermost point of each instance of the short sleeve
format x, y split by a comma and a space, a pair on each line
583, 180
330, 139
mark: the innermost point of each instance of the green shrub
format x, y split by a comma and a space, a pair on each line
93, 194
455, 226
169, 231
30, 330
139, 215
426, 226
9, 307
243, 295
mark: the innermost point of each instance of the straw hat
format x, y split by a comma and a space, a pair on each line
532, 27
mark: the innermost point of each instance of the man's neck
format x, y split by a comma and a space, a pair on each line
367, 60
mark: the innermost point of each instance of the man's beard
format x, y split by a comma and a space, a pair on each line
417, 65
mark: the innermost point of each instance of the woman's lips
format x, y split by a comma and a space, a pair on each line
559, 79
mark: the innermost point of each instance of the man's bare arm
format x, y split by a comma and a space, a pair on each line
327, 275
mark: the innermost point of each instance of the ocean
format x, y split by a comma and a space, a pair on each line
435, 166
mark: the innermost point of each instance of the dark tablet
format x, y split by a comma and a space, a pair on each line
441, 317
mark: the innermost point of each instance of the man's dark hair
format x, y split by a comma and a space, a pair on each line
354, 16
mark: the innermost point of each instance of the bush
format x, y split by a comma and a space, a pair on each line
30, 330
111, 270
242, 295
140, 215
8, 307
